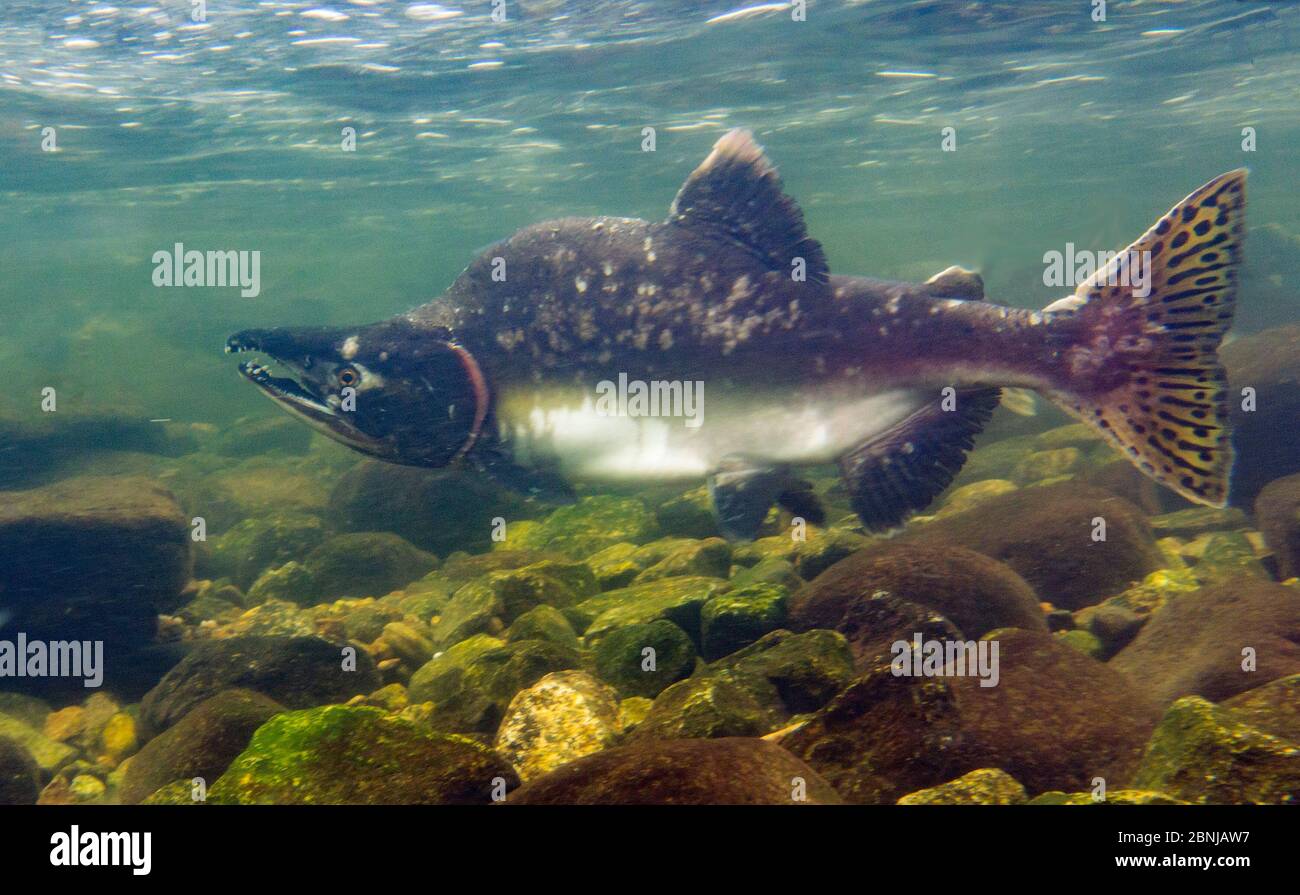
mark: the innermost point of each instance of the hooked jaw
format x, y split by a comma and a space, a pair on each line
296, 393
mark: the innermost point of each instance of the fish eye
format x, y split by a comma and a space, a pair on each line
348, 376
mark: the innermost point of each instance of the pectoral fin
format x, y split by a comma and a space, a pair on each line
904, 468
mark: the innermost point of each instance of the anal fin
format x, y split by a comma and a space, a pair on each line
904, 468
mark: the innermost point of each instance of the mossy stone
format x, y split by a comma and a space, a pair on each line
620, 658
543, 623
986, 786
737, 618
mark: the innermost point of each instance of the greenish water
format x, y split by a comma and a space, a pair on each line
227, 135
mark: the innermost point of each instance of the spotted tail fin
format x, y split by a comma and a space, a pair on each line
1141, 361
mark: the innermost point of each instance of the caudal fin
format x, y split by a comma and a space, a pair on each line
1140, 359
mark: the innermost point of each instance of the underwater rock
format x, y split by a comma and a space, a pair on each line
1113, 797
970, 496
1201, 754
543, 623
677, 599
27, 709
561, 718
1228, 556
620, 658
1085, 642
274, 618
473, 609
1114, 626
51, 442
509, 594
1278, 511
50, 755
768, 571
718, 704
101, 557
688, 515
586, 527
289, 583
1269, 363
1048, 464
1197, 520
224, 494
252, 435
986, 786
710, 558
730, 771
1273, 708
345, 755
806, 669
739, 617
365, 564
821, 549
1194, 644
408, 642
1055, 720
472, 683
461, 568
201, 744
297, 672
1046, 535
255, 545
440, 510
19, 775
617, 565
1151, 594
975, 592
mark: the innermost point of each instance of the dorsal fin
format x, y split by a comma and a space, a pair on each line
735, 194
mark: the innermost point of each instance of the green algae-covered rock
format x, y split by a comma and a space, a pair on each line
689, 515
472, 683
178, 792
272, 618
359, 755
1197, 520
50, 755
677, 599
202, 744
1227, 556
806, 669
426, 597
972, 495
1046, 464
1117, 797
820, 549
1155, 591
366, 564
720, 704
543, 623
1201, 754
261, 542
711, 557
581, 529
986, 786
768, 571
621, 660
475, 608
1084, 641
562, 717
616, 565
1273, 708
289, 583
738, 617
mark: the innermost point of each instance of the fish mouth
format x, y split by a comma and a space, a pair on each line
295, 394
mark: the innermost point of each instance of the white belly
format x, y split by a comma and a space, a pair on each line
569, 431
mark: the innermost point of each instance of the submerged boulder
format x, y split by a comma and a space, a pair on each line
987, 786
19, 774
341, 755
297, 672
100, 558
728, 771
1051, 535
366, 564
562, 717
1278, 511
1216, 642
202, 744
1269, 364
1054, 720
1201, 754
975, 592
